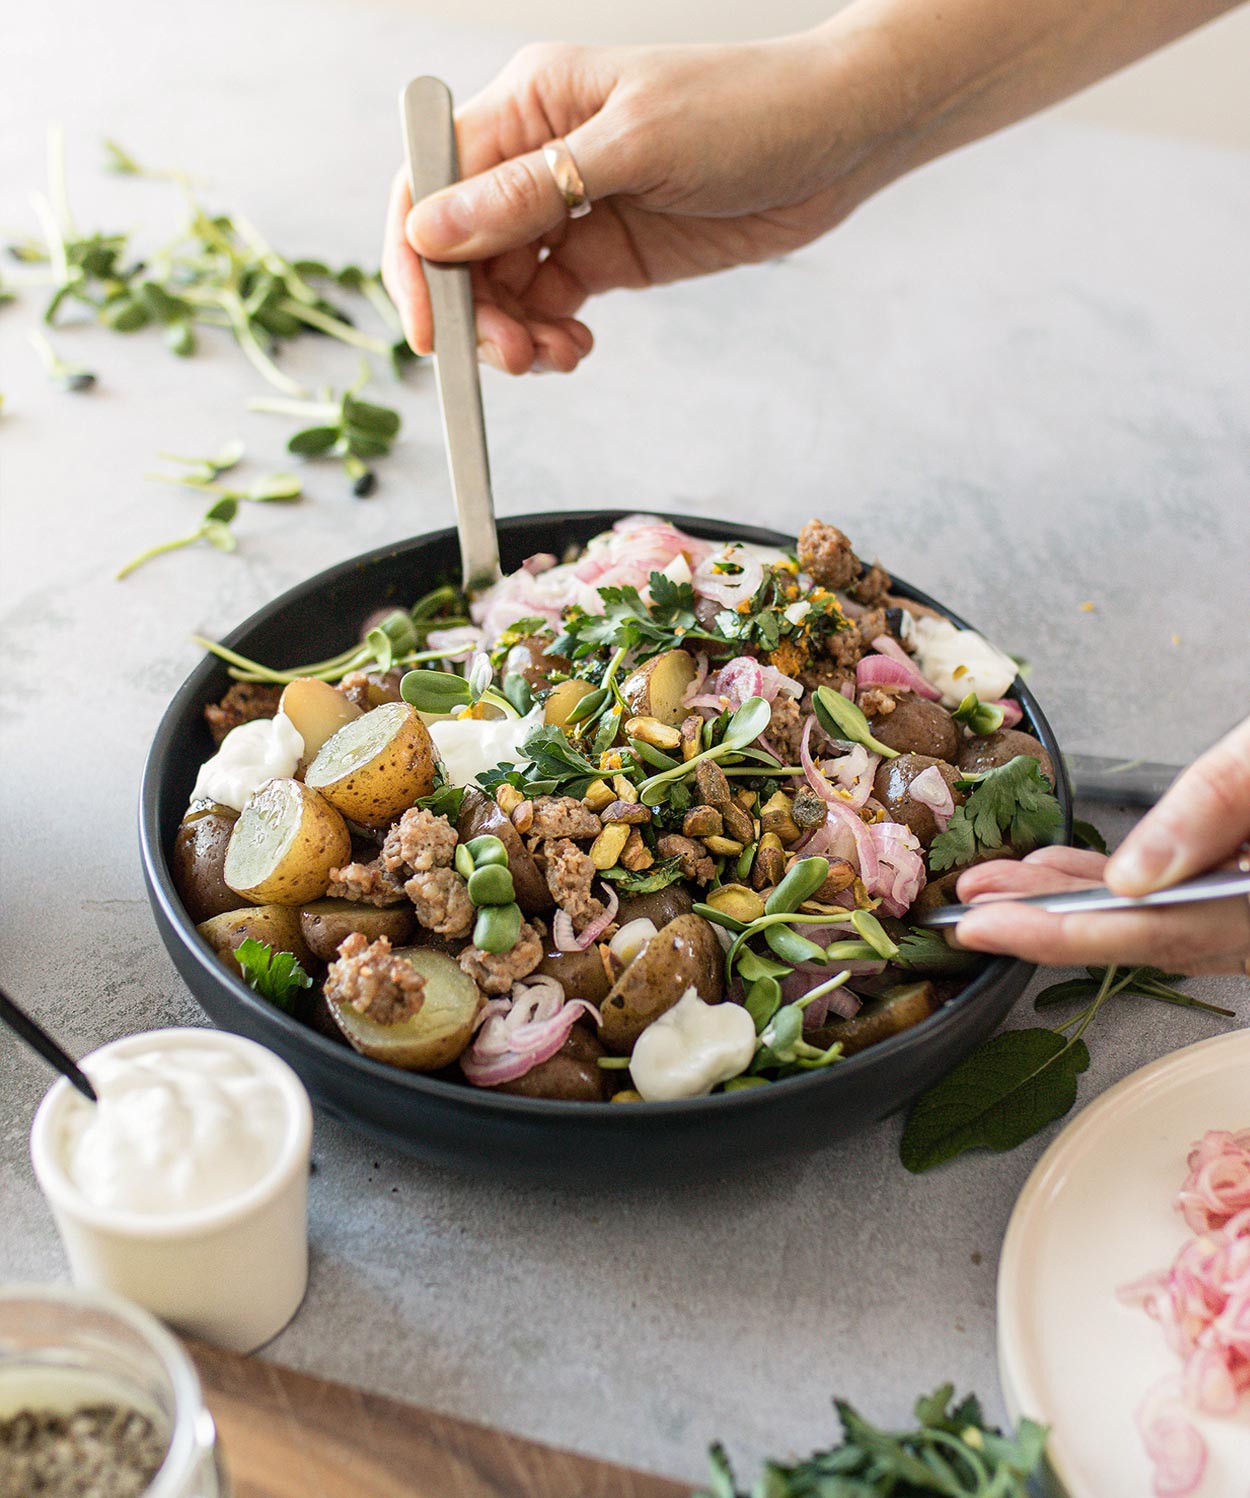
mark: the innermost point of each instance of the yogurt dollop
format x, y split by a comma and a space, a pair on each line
249, 755
178, 1129
470, 746
959, 661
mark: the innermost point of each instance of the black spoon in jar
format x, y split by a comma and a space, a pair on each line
39, 1040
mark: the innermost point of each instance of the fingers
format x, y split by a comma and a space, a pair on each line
1210, 938
401, 271
1063, 868
1201, 820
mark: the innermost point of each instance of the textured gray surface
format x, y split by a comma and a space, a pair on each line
1020, 377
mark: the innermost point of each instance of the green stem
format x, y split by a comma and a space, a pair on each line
344, 332
381, 303
233, 306
313, 410
57, 257
156, 551
58, 189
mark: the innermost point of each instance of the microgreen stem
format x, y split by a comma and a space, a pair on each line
58, 189
344, 332
57, 257
376, 295
315, 410
233, 306
156, 551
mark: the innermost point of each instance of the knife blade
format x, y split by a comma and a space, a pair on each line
1221, 885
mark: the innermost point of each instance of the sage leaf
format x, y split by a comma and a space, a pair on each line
1001, 1095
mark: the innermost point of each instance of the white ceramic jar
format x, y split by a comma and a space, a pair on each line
185, 1189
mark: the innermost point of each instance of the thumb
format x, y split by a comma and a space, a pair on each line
514, 203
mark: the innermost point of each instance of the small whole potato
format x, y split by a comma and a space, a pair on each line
659, 907
198, 858
564, 698
918, 727
433, 1037
582, 975
277, 926
891, 1014
284, 844
572, 1075
892, 786
529, 658
990, 750
684, 953
376, 767
326, 924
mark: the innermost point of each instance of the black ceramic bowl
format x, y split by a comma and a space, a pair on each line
472, 1128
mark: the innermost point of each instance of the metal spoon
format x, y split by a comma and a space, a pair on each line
425, 109
1221, 885
39, 1040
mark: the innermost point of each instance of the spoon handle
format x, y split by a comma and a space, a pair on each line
430, 146
39, 1040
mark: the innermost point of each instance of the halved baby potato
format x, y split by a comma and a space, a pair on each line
317, 710
327, 923
564, 699
656, 688
277, 926
440, 1030
284, 844
199, 853
377, 766
683, 954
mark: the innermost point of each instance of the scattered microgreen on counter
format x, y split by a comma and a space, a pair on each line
953, 1453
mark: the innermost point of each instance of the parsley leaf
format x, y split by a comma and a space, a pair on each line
276, 976
644, 629
921, 950
1012, 803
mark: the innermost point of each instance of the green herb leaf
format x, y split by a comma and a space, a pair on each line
921, 950
1013, 803
313, 441
1086, 835
1001, 1095
276, 976
645, 881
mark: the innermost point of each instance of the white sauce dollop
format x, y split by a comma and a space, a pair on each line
249, 755
177, 1129
690, 1048
470, 746
959, 661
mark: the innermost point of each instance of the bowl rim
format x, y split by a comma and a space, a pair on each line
321, 1050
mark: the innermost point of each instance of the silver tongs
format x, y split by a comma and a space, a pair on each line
1221, 885
430, 146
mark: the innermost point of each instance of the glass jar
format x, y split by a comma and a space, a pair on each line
61, 1348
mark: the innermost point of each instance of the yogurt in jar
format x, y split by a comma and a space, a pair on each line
185, 1187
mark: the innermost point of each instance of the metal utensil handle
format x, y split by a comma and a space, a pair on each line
430, 145
1223, 884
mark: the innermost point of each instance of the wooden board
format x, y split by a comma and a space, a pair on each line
289, 1435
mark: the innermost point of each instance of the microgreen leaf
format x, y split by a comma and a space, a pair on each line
980, 717
842, 719
434, 691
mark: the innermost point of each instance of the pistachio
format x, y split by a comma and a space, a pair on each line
702, 821
627, 1095
633, 812
606, 849
775, 817
746, 799
635, 855
770, 862
711, 785
523, 816
652, 731
625, 788
726, 847
598, 795
691, 736
508, 798
738, 823
841, 876
738, 901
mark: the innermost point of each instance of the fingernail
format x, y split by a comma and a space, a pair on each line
542, 365
1142, 864
489, 353
440, 223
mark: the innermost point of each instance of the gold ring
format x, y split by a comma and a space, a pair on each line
567, 178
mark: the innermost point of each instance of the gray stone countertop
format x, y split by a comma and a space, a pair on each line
1019, 377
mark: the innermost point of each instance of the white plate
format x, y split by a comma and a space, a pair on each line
1096, 1213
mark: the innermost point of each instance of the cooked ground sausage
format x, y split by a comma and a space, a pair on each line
366, 883
872, 585
563, 816
419, 841
991, 750
496, 972
918, 727
570, 875
825, 552
373, 982
440, 898
244, 702
695, 861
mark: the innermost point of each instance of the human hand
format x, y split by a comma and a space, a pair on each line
1201, 822
696, 159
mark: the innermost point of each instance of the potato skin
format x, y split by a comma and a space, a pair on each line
564, 698
891, 1014
659, 907
387, 783
198, 856
990, 750
479, 815
656, 688
327, 923
918, 727
582, 975
570, 1076
529, 659
892, 786
686, 952
302, 873
276, 925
